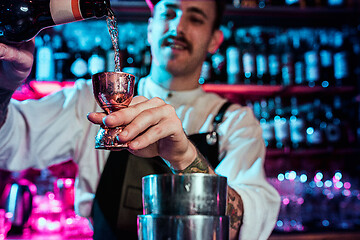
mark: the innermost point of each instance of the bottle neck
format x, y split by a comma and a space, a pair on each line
94, 8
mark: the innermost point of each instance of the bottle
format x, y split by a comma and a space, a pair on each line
261, 58
299, 62
287, 61
311, 56
97, 60
341, 64
274, 61
281, 125
297, 126
267, 123
62, 58
326, 59
248, 60
45, 62
315, 126
21, 20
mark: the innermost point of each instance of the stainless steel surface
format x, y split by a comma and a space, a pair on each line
185, 194
112, 91
193, 227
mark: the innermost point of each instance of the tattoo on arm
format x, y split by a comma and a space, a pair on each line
199, 165
5, 96
235, 210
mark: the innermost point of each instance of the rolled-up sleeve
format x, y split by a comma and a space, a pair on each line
243, 151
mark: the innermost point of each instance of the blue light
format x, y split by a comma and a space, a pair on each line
325, 223
310, 130
281, 177
325, 84
303, 178
279, 223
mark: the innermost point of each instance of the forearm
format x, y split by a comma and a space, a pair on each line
234, 208
5, 96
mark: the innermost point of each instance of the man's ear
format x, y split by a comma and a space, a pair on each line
216, 40
149, 30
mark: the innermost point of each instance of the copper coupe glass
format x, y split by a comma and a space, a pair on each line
113, 91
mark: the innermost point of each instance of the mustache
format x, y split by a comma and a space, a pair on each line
181, 39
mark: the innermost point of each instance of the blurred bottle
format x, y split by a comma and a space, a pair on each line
287, 61
297, 126
333, 131
281, 125
311, 56
341, 64
233, 64
336, 3
45, 62
326, 59
299, 62
314, 126
248, 59
21, 20
274, 61
262, 66
97, 60
267, 123
61, 58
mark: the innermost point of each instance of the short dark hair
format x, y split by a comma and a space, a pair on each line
220, 8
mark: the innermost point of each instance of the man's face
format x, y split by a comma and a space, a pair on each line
181, 34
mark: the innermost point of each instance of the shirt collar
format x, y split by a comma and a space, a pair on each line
149, 89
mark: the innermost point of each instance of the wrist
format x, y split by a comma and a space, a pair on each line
199, 164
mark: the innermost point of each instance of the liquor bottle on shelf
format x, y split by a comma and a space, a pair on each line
326, 59
45, 63
22, 20
248, 3
248, 59
297, 126
299, 62
287, 61
333, 131
61, 58
97, 60
341, 64
267, 123
274, 61
311, 56
315, 126
233, 64
281, 125
261, 58
336, 3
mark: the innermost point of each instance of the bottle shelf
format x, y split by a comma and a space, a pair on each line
266, 90
270, 15
311, 152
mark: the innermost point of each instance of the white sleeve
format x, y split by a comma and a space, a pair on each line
37, 133
243, 149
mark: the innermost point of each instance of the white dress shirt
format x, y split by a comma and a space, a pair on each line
39, 133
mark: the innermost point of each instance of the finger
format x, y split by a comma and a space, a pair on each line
20, 56
146, 119
126, 115
163, 129
137, 100
96, 117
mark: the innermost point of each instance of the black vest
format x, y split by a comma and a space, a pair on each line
118, 199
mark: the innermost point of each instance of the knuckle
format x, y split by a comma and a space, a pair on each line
157, 101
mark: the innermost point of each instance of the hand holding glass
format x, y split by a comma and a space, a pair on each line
113, 91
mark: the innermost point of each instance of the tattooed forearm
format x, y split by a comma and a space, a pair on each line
235, 211
199, 165
5, 96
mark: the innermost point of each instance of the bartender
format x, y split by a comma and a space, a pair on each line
173, 125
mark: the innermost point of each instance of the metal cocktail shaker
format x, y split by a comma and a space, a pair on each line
185, 206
